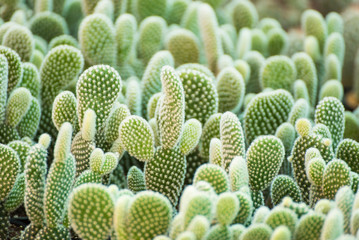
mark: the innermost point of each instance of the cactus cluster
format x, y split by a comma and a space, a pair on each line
178, 120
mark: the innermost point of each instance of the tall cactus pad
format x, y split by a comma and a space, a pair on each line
232, 138
348, 151
35, 174
198, 86
91, 210
278, 72
10, 167
171, 109
149, 215
264, 159
330, 112
14, 66
278, 105
165, 173
101, 101
97, 40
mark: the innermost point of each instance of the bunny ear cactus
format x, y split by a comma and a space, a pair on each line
348, 151
184, 46
15, 71
268, 152
48, 25
211, 129
309, 227
151, 81
307, 139
238, 174
278, 104
336, 175
64, 109
281, 216
306, 71
314, 24
214, 175
97, 40
60, 66
231, 90
198, 85
60, 178
330, 112
283, 186
208, 25
278, 72
136, 180
150, 208
191, 135
137, 138
344, 200
101, 102
31, 79
232, 139
19, 39
92, 220
257, 231
35, 176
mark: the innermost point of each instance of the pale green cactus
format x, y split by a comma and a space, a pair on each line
136, 180
29, 124
63, 40
301, 109
286, 133
35, 176
330, 112
176, 10
197, 85
73, 15
351, 126
171, 111
48, 25
273, 100
306, 140
231, 90
191, 135
244, 44
208, 26
259, 41
117, 115
258, 231
214, 175
335, 22
314, 24
60, 178
96, 29
309, 226
300, 90
184, 46
332, 88
150, 208
31, 79
10, 166
64, 109
159, 179
151, 37
306, 71
20, 39
232, 138
281, 233
243, 14
283, 186
335, 45
348, 151
211, 129
217, 232
227, 208
277, 41
54, 80
92, 220
336, 175
344, 200
18, 104
260, 177
238, 174
278, 72
101, 102
255, 60
84, 142
145, 9
15, 71
199, 226
333, 68
151, 81
133, 96
137, 138
125, 27
215, 152
281, 216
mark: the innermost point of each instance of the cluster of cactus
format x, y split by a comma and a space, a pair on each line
177, 120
